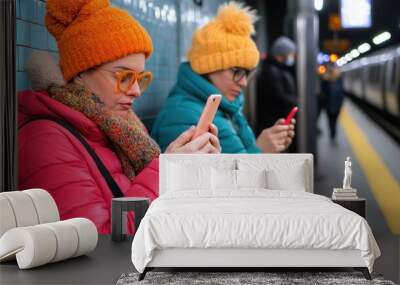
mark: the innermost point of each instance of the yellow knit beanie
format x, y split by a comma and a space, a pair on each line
92, 32
225, 42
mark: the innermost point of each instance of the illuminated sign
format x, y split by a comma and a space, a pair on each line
355, 13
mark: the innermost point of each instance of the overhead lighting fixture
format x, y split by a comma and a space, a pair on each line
382, 37
354, 53
348, 57
321, 69
320, 58
341, 61
318, 4
364, 47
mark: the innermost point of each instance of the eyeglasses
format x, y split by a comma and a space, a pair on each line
239, 73
126, 79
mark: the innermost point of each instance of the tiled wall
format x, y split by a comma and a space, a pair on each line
169, 22
31, 35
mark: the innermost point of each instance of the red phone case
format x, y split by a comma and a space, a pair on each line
291, 115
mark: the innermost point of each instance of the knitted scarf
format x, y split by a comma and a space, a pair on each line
128, 136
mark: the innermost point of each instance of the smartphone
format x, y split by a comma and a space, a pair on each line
208, 114
290, 116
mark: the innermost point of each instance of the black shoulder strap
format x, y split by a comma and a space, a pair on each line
106, 174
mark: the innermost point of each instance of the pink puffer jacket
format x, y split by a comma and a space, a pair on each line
50, 157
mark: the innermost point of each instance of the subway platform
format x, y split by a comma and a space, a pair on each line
376, 176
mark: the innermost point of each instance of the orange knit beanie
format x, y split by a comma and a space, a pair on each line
92, 32
225, 41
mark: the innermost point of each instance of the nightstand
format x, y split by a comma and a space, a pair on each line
358, 206
120, 208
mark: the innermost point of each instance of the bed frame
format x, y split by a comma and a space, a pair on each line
246, 259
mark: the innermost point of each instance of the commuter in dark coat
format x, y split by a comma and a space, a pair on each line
332, 97
276, 88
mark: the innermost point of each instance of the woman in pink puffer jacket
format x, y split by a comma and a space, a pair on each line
103, 80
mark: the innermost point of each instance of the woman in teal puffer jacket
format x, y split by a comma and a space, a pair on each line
183, 109
220, 59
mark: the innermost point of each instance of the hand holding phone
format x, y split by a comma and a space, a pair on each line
208, 114
290, 116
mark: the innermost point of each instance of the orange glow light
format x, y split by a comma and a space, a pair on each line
333, 57
321, 69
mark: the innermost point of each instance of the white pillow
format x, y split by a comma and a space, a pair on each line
251, 178
205, 161
288, 179
282, 174
227, 179
223, 179
182, 177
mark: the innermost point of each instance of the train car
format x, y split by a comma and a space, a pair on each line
353, 78
392, 85
375, 80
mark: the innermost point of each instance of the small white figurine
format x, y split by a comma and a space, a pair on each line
347, 174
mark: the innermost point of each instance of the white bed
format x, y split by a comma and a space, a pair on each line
202, 219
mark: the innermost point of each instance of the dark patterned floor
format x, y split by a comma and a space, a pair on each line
243, 278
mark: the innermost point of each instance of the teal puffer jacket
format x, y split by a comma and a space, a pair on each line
183, 108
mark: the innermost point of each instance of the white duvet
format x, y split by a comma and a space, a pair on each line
250, 219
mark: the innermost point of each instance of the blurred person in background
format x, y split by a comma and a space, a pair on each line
276, 88
332, 97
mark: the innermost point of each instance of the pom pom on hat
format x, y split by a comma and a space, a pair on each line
225, 42
60, 14
92, 32
235, 18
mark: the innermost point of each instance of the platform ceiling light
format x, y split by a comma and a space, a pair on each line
320, 58
354, 53
321, 69
364, 47
318, 4
382, 37
341, 61
348, 57
333, 57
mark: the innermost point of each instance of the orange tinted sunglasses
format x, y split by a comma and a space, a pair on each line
126, 79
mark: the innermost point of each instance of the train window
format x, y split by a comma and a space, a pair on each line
393, 74
374, 73
357, 74
371, 73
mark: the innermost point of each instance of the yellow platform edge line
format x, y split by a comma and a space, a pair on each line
385, 188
